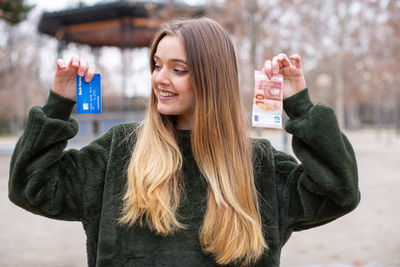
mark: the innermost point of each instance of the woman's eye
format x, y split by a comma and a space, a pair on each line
179, 71
156, 66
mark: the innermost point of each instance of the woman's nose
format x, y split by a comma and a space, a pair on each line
162, 76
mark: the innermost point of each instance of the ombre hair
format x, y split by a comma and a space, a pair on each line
232, 229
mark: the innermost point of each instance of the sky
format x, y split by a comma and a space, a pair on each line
51, 5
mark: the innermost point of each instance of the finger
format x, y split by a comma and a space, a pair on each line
297, 60
83, 67
275, 65
284, 60
74, 62
60, 64
268, 68
90, 73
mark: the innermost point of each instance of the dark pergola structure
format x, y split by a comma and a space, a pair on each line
124, 24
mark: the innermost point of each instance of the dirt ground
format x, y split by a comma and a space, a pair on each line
368, 237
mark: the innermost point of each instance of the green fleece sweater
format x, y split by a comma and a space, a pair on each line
87, 185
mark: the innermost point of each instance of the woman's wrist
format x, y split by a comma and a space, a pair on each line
65, 93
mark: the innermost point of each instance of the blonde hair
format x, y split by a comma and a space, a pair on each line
232, 228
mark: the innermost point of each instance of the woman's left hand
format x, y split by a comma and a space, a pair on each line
293, 78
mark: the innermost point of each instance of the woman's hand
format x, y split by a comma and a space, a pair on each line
64, 82
293, 78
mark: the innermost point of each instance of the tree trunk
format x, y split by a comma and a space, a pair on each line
340, 64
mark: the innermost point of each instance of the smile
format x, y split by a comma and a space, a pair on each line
166, 94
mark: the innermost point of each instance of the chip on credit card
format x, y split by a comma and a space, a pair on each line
88, 95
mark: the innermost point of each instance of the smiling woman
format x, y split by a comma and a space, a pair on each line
187, 186
171, 81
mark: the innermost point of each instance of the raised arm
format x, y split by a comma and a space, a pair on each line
45, 179
324, 186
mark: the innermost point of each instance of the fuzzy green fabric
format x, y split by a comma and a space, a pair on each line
87, 185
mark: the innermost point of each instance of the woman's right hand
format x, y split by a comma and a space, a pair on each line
64, 83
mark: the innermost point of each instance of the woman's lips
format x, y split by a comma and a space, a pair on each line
166, 95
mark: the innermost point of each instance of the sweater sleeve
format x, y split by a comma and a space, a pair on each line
45, 179
324, 186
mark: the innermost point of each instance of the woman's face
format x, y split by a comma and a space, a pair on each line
171, 81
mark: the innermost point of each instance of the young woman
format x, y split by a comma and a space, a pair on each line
186, 187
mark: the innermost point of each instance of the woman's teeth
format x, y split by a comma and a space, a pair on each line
166, 94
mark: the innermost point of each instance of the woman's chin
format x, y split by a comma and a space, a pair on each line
166, 112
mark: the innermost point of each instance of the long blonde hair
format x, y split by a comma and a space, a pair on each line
232, 228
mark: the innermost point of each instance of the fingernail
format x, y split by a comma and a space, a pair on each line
80, 73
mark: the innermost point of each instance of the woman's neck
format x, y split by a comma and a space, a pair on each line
184, 123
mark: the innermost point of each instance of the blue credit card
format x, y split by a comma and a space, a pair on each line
88, 95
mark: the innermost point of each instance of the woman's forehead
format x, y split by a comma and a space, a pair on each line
170, 47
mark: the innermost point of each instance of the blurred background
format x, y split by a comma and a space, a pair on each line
351, 58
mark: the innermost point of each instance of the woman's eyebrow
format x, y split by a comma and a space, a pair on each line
173, 60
